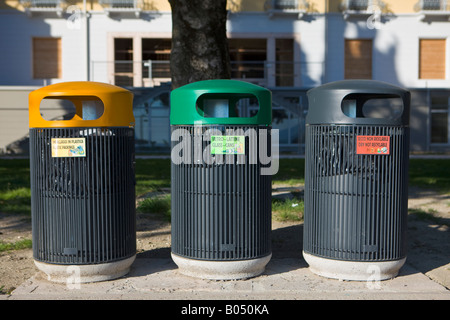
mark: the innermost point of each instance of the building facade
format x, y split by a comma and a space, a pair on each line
288, 46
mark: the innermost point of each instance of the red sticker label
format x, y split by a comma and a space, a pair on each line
372, 144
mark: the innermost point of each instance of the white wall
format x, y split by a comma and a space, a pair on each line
395, 48
16, 33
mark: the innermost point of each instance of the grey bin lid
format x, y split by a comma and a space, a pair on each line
326, 103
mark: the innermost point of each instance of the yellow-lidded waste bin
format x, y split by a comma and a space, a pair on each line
82, 183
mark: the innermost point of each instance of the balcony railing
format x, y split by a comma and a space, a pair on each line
287, 7
121, 6
43, 6
364, 8
433, 9
356, 5
433, 5
152, 73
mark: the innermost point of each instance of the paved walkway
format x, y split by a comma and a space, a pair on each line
284, 279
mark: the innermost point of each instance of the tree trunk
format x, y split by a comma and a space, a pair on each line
199, 41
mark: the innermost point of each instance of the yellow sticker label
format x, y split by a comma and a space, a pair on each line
68, 147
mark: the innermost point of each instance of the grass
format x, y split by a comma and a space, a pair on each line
158, 204
287, 209
430, 174
18, 245
15, 200
15, 186
14, 173
152, 175
4, 290
290, 172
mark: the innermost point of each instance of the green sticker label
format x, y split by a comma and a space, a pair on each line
227, 144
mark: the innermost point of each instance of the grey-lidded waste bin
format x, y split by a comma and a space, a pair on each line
221, 197
82, 182
356, 174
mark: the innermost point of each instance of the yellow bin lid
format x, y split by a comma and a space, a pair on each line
117, 104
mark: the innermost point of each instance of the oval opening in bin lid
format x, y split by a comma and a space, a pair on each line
215, 101
358, 102
96, 105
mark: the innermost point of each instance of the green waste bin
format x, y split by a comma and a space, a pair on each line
221, 186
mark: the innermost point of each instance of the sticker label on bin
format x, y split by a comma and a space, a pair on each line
227, 144
373, 144
68, 147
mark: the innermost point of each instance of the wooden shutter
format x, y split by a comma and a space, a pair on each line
432, 59
358, 59
46, 58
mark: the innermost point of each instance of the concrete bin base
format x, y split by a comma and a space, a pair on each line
85, 273
221, 270
353, 270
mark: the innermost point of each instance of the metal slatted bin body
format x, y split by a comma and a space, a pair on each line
356, 188
83, 200
221, 204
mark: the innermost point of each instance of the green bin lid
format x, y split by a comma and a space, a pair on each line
214, 101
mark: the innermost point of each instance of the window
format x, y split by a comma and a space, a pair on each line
358, 59
440, 105
156, 58
123, 61
285, 62
247, 58
432, 59
46, 58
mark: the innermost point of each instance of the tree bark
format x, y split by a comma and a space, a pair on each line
199, 41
